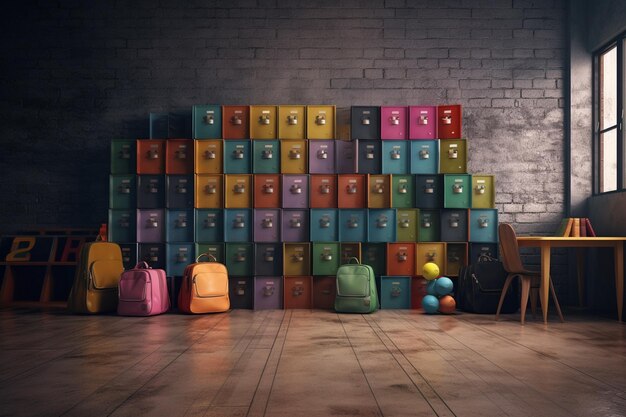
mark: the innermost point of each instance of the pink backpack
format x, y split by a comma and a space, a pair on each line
143, 292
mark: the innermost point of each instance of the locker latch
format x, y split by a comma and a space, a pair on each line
181, 222
395, 154
396, 291
453, 153
267, 154
394, 120
125, 222
295, 223
240, 257
483, 223
326, 256
446, 120
181, 257
264, 119
239, 223
324, 222
382, 222
153, 223
267, 223
322, 154
154, 257
353, 223
211, 189
365, 121
124, 189
403, 189
297, 291
239, 188
209, 154
351, 188
241, 289
209, 223
454, 258
125, 153
297, 257
236, 120
457, 188
292, 119
238, 154
208, 118
320, 119
429, 189
181, 188
379, 188
294, 154
325, 189
405, 223
402, 256
181, 154
268, 188
424, 154
431, 256
295, 189
126, 258
269, 256
480, 188
369, 154
268, 290
423, 120
426, 223
454, 222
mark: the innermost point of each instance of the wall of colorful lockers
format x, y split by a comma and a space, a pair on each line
270, 192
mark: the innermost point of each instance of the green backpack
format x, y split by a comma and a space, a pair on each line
356, 289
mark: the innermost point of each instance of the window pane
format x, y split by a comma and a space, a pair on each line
608, 161
608, 88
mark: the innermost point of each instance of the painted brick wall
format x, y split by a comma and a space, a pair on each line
77, 74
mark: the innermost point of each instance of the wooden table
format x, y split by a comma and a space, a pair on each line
545, 243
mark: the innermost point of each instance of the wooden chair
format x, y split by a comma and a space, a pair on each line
530, 280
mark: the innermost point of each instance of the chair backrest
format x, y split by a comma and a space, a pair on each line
510, 250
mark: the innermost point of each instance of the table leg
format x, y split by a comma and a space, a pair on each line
619, 277
580, 271
545, 279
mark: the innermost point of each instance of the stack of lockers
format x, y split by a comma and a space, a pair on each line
271, 192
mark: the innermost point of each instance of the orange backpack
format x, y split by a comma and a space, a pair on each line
204, 288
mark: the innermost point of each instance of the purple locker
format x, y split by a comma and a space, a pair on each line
321, 156
345, 157
267, 225
295, 191
423, 122
393, 123
268, 293
295, 225
150, 226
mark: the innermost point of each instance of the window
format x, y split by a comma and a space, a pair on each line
609, 116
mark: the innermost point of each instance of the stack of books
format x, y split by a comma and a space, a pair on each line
575, 227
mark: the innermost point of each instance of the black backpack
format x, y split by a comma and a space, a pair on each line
480, 285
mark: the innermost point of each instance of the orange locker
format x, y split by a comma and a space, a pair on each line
263, 122
237, 191
351, 191
298, 292
291, 122
323, 191
430, 252
267, 191
235, 122
379, 191
179, 156
150, 156
209, 191
401, 258
208, 156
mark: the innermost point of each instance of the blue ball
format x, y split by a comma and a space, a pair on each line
430, 303
430, 287
444, 286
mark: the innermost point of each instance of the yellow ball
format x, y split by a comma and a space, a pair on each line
430, 271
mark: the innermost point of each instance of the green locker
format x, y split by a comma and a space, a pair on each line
375, 255
122, 226
122, 191
239, 259
326, 258
429, 226
407, 225
402, 191
266, 156
123, 156
212, 249
457, 191
452, 156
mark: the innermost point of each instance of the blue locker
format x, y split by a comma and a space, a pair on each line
178, 257
237, 225
179, 226
395, 157
381, 225
454, 225
179, 191
424, 158
237, 156
395, 292
209, 225
368, 156
323, 224
428, 191
352, 225
484, 225
207, 122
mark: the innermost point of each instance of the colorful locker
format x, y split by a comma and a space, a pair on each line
401, 258
241, 292
178, 257
238, 191
237, 225
123, 156
207, 122
263, 122
295, 225
428, 191
395, 157
449, 121
266, 156
429, 229
235, 122
422, 122
424, 158
267, 225
418, 291
298, 292
150, 156
381, 225
179, 191
457, 191
150, 226
324, 292
483, 191
122, 226
239, 259
237, 158
478, 250
345, 157
456, 255
379, 191
129, 254
179, 156
293, 156
325, 258
483, 225
324, 225
209, 191
430, 252
395, 292
452, 156
322, 156
268, 259
402, 191
454, 225
369, 156
153, 254
351, 191
320, 122
295, 189
179, 226
267, 191
209, 156
122, 191
375, 255
209, 225
297, 259
212, 250
291, 122
268, 293
322, 191
347, 251
393, 123
353, 225
365, 122
407, 225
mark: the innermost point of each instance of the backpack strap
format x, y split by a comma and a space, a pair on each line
207, 255
355, 258
142, 265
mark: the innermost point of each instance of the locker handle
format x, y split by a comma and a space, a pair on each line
352, 189
326, 257
454, 259
125, 223
394, 120
292, 120
124, 154
320, 120
153, 154
365, 121
208, 119
396, 291
480, 189
124, 189
268, 290
294, 154
211, 189
457, 188
424, 154
382, 222
426, 224
324, 223
181, 189
153, 223
454, 223
267, 154
181, 154
181, 223
297, 257
483, 223
295, 223
209, 154
405, 224
153, 257
453, 154
429, 189
236, 120
241, 290
322, 154
403, 189
208, 224
402, 257
353, 223
379, 189
181, 257
239, 189
264, 119
423, 120
395, 154
269, 257
325, 189
238, 154
268, 189
297, 291
431, 256
240, 257
239, 223
369, 154
295, 189
267, 223
446, 120
126, 259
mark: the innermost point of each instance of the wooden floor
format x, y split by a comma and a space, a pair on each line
309, 363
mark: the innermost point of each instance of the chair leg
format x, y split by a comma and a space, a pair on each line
526, 281
507, 283
556, 302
